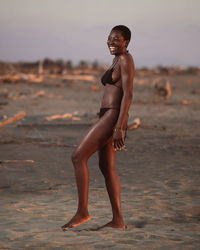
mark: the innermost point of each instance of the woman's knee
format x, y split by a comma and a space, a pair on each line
76, 158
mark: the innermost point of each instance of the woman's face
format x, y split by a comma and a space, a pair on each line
116, 43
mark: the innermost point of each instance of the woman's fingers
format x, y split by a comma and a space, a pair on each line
118, 144
118, 139
121, 143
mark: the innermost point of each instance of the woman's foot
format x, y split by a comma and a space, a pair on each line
75, 221
114, 224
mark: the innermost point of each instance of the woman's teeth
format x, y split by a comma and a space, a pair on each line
112, 48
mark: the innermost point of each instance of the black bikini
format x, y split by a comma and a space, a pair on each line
103, 111
107, 77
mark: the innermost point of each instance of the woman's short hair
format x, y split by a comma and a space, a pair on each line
126, 33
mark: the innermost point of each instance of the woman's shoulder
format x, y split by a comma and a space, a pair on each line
126, 58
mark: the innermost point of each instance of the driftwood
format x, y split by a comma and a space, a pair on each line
94, 88
55, 117
185, 101
18, 77
13, 119
162, 88
89, 78
134, 124
67, 115
16, 161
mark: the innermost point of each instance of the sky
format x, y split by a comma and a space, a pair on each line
163, 32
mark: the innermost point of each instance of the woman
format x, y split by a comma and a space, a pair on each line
106, 135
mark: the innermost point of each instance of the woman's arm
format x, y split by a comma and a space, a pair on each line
127, 75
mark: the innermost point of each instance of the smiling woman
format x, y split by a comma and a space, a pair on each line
106, 135
118, 40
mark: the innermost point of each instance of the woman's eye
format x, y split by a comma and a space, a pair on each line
114, 39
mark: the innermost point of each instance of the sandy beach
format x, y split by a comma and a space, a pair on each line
159, 173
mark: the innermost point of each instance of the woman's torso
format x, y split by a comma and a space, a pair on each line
113, 87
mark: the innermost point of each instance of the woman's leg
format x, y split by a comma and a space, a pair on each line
97, 136
107, 165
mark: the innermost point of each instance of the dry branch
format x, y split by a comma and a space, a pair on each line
13, 119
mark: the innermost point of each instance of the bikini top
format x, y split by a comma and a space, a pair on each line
107, 77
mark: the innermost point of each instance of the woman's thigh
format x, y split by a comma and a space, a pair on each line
98, 135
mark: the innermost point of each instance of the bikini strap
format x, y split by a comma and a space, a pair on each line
115, 63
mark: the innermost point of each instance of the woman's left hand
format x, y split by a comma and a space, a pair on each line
118, 139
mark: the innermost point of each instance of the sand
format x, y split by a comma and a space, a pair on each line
159, 173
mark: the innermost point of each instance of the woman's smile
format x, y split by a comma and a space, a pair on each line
113, 49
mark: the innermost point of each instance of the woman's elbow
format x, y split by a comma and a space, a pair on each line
128, 95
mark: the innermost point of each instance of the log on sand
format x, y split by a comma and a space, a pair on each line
13, 119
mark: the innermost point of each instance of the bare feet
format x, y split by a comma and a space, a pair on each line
75, 221
114, 225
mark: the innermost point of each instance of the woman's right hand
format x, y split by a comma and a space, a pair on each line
118, 139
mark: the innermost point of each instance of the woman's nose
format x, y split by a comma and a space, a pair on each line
111, 42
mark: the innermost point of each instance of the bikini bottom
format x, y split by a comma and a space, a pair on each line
103, 111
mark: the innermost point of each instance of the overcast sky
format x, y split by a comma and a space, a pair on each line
163, 32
